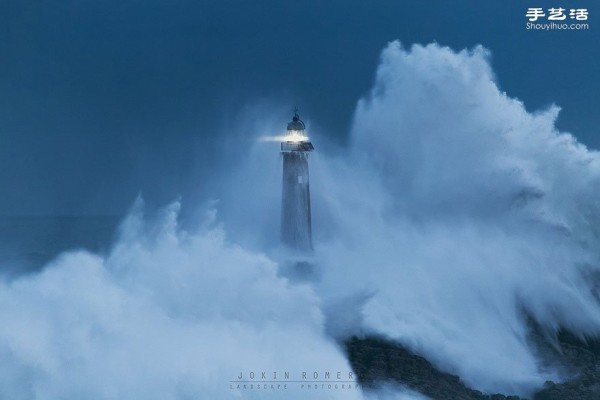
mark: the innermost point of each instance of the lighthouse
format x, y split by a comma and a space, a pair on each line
296, 230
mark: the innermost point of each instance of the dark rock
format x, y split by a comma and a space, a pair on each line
377, 361
578, 358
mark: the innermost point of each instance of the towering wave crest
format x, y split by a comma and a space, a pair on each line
461, 214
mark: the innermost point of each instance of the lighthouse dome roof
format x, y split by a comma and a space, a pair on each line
296, 124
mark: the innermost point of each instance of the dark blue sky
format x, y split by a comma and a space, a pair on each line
103, 100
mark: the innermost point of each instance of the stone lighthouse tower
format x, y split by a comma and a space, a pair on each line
296, 231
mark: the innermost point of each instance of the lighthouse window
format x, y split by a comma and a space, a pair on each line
300, 180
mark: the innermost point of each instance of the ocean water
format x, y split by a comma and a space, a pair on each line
28, 243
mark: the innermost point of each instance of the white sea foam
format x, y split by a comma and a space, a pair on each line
167, 314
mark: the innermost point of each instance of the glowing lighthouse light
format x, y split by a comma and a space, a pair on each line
295, 136
296, 139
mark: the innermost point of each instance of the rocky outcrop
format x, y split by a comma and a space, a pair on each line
580, 359
378, 361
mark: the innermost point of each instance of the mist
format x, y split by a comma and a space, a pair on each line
452, 216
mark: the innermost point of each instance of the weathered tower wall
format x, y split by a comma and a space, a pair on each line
296, 229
